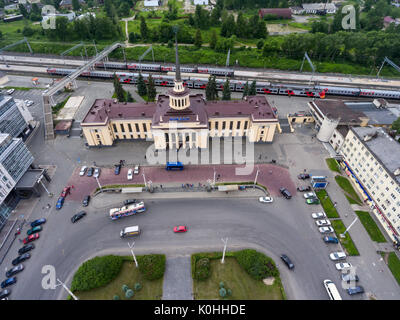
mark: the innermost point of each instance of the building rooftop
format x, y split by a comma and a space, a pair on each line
103, 110
343, 130
382, 146
29, 179
337, 109
376, 116
280, 12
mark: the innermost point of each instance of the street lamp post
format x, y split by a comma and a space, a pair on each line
255, 179
98, 182
215, 172
144, 178
133, 254
351, 224
44, 187
67, 289
225, 241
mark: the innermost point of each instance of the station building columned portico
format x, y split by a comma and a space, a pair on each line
179, 119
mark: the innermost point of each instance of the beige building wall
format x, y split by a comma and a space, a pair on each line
382, 188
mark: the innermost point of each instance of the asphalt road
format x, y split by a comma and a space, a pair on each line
282, 227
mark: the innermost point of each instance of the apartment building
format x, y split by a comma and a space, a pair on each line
372, 161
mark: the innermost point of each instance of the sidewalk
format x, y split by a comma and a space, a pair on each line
178, 284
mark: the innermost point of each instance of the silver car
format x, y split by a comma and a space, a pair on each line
96, 173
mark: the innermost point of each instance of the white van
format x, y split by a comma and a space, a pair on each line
130, 231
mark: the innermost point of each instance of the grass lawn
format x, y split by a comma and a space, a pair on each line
327, 204
332, 164
371, 227
129, 275
351, 200
345, 184
346, 242
394, 265
235, 278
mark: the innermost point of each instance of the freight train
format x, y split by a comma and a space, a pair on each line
160, 68
238, 85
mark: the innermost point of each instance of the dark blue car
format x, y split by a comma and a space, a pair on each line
355, 290
8, 282
117, 169
60, 203
38, 222
331, 240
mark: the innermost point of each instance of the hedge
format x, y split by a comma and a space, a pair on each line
96, 272
152, 266
202, 269
256, 264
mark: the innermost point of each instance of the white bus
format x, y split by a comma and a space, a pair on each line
331, 289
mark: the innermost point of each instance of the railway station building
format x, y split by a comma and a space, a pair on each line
179, 119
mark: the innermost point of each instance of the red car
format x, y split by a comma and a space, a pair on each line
180, 229
65, 192
31, 238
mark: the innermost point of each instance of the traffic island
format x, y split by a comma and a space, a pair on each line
240, 277
393, 263
117, 278
345, 241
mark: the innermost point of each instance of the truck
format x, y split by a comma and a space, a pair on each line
126, 211
130, 231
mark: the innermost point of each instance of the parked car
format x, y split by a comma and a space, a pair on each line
30, 102
287, 261
96, 173
21, 258
34, 230
4, 293
331, 240
83, 171
321, 223
180, 229
117, 169
312, 201
130, 174
78, 216
10, 91
266, 199
38, 222
129, 201
309, 195
303, 176
86, 201
15, 270
60, 203
304, 188
90, 172
285, 193
8, 282
355, 290
66, 191
339, 255
318, 215
31, 238
136, 171
325, 229
26, 248
343, 266
348, 277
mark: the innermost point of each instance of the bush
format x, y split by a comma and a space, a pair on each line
96, 272
137, 286
229, 292
256, 264
116, 297
202, 269
129, 293
125, 288
222, 292
152, 266
221, 284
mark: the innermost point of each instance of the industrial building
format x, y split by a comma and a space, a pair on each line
372, 160
179, 119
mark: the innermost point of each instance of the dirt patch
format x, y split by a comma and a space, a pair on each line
273, 28
269, 281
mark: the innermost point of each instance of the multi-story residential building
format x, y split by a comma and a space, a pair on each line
15, 160
180, 119
13, 119
372, 160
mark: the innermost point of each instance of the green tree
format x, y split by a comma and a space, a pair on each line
129, 97
23, 10
76, 5
213, 40
151, 89
246, 90
143, 28
260, 44
119, 91
226, 93
198, 41
141, 86
253, 89
124, 10
396, 125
